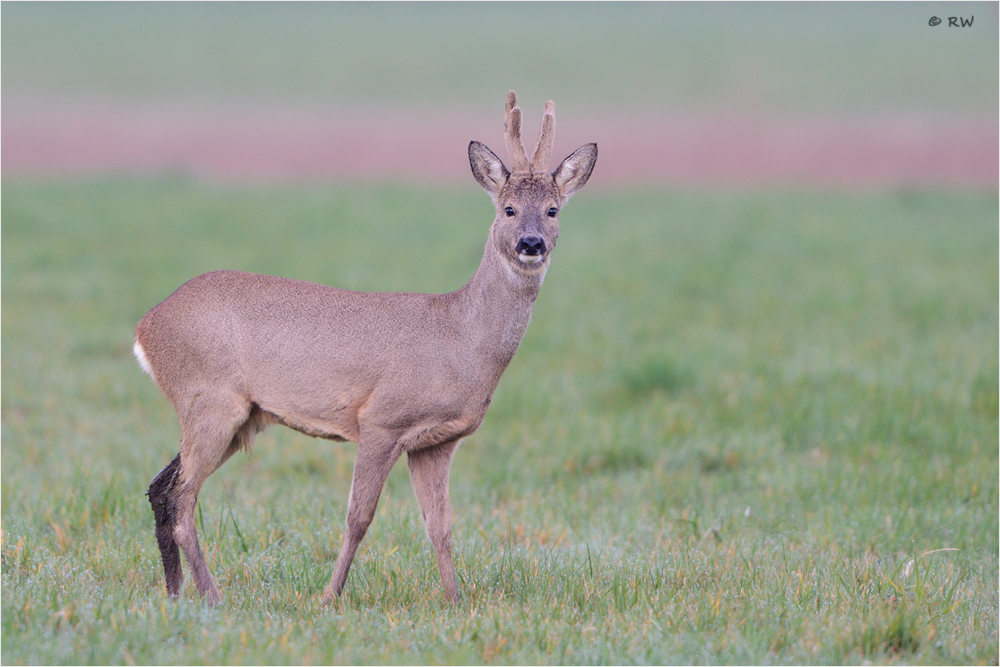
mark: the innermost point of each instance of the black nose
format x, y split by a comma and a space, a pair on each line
531, 245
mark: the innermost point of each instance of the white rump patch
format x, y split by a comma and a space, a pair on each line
140, 355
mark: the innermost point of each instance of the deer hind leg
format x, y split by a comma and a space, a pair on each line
429, 470
207, 443
164, 512
376, 456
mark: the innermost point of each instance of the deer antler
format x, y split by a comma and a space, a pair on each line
512, 134
540, 161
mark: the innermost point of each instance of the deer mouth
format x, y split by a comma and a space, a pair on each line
531, 250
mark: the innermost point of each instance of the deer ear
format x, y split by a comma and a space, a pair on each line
487, 168
574, 171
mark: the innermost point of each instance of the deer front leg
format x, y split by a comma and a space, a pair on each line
376, 457
429, 470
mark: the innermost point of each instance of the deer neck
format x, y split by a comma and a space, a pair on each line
497, 304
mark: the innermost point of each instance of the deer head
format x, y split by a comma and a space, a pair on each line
528, 197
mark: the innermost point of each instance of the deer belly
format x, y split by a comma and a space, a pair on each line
331, 417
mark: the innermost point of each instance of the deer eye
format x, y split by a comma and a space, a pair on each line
553, 211
509, 211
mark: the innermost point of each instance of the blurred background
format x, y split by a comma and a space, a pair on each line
855, 94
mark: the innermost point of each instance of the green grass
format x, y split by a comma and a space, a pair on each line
742, 428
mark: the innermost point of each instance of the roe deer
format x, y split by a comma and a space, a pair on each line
395, 372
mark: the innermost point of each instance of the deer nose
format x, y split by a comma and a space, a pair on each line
531, 245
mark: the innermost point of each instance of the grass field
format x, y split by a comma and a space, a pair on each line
742, 427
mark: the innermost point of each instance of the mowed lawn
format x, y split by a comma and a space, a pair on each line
742, 427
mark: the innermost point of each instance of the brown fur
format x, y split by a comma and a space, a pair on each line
396, 372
